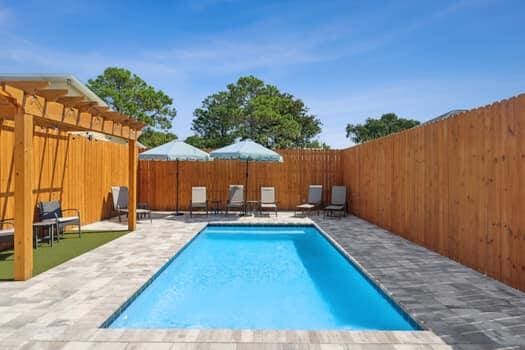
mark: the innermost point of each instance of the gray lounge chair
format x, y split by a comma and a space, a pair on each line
337, 202
315, 198
120, 203
198, 199
7, 234
52, 211
235, 198
268, 199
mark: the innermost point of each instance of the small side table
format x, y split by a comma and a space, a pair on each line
251, 207
216, 207
38, 226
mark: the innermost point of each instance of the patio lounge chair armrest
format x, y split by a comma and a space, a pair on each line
72, 209
121, 209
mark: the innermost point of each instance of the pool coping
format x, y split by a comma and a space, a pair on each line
362, 271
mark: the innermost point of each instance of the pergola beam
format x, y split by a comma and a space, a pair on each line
63, 114
136, 124
115, 116
100, 109
7, 106
51, 94
7, 112
70, 101
85, 106
30, 87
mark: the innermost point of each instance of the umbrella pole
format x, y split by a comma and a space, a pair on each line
177, 200
246, 187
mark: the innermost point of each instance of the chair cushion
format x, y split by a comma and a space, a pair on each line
236, 194
306, 206
198, 194
49, 210
7, 233
198, 205
235, 204
120, 196
268, 205
334, 207
68, 219
138, 210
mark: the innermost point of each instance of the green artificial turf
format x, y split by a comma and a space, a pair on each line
46, 257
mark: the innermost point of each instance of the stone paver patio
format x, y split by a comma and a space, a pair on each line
64, 307
465, 308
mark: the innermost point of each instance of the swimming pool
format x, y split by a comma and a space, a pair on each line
261, 277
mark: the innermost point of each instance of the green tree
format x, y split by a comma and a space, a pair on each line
127, 93
251, 109
373, 128
154, 138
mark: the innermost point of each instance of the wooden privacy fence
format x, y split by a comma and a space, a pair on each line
456, 186
156, 180
73, 169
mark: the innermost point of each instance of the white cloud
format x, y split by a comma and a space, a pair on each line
265, 44
187, 71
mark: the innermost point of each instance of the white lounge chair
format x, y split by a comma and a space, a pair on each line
120, 203
235, 198
268, 199
198, 199
315, 197
337, 201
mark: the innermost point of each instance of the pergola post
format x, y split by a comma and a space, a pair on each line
23, 154
132, 200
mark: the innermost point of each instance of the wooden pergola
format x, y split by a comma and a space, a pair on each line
30, 103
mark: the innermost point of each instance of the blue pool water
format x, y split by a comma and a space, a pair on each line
262, 277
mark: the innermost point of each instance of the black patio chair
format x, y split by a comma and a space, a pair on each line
53, 211
7, 232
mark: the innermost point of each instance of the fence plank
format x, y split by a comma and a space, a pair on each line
290, 178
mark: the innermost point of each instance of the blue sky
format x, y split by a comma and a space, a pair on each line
347, 60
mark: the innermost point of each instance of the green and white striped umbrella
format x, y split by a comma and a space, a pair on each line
175, 151
247, 150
